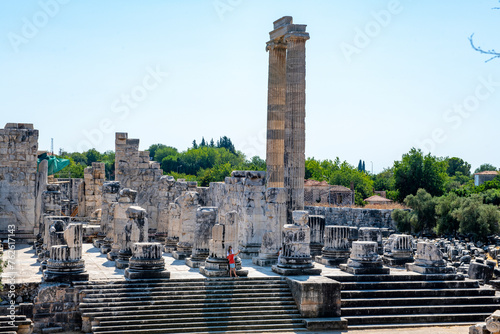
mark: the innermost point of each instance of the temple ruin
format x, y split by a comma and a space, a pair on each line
148, 253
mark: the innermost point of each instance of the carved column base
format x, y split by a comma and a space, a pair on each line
65, 271
215, 267
333, 257
430, 269
198, 258
265, 260
249, 251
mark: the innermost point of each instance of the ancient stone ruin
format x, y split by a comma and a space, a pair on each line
146, 252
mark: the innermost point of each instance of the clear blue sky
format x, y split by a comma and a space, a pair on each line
382, 76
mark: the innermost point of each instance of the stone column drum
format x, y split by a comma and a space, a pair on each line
371, 234
429, 260
296, 258
66, 263
224, 234
317, 225
110, 192
276, 218
126, 198
337, 248
206, 218
188, 204
295, 131
364, 259
398, 250
146, 261
276, 105
136, 230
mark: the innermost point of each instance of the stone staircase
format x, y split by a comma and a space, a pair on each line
21, 325
406, 300
220, 305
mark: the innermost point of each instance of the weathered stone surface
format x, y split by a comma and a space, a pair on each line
364, 259
317, 225
90, 193
135, 230
354, 217
110, 192
224, 235
146, 261
276, 218
493, 322
429, 260
18, 171
119, 218
480, 271
371, 234
206, 217
316, 296
188, 205
337, 247
65, 263
398, 250
296, 258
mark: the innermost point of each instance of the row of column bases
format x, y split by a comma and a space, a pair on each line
300, 240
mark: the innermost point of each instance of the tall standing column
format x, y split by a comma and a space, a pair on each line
276, 106
295, 136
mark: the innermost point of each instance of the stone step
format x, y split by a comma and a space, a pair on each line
416, 293
291, 308
226, 299
185, 282
227, 295
195, 313
397, 277
176, 290
372, 302
193, 319
4, 328
6, 318
187, 327
420, 309
415, 318
169, 305
409, 285
411, 325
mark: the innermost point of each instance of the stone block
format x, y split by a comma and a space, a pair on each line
317, 296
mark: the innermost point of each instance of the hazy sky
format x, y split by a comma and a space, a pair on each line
382, 76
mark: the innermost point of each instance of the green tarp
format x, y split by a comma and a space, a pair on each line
55, 164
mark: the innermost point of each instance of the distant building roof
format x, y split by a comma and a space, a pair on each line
377, 199
487, 172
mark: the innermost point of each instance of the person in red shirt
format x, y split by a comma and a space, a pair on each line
232, 264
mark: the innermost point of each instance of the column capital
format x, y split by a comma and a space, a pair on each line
275, 44
295, 36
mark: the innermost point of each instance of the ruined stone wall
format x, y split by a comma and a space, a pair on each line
18, 167
354, 217
245, 193
90, 194
69, 194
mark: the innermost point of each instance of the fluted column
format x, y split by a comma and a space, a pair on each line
294, 157
276, 105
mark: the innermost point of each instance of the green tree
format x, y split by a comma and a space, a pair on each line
476, 218
384, 180
457, 165
485, 167
212, 144
203, 143
424, 207
215, 174
93, 156
416, 171
152, 150
256, 163
446, 222
404, 220
170, 164
194, 144
165, 151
